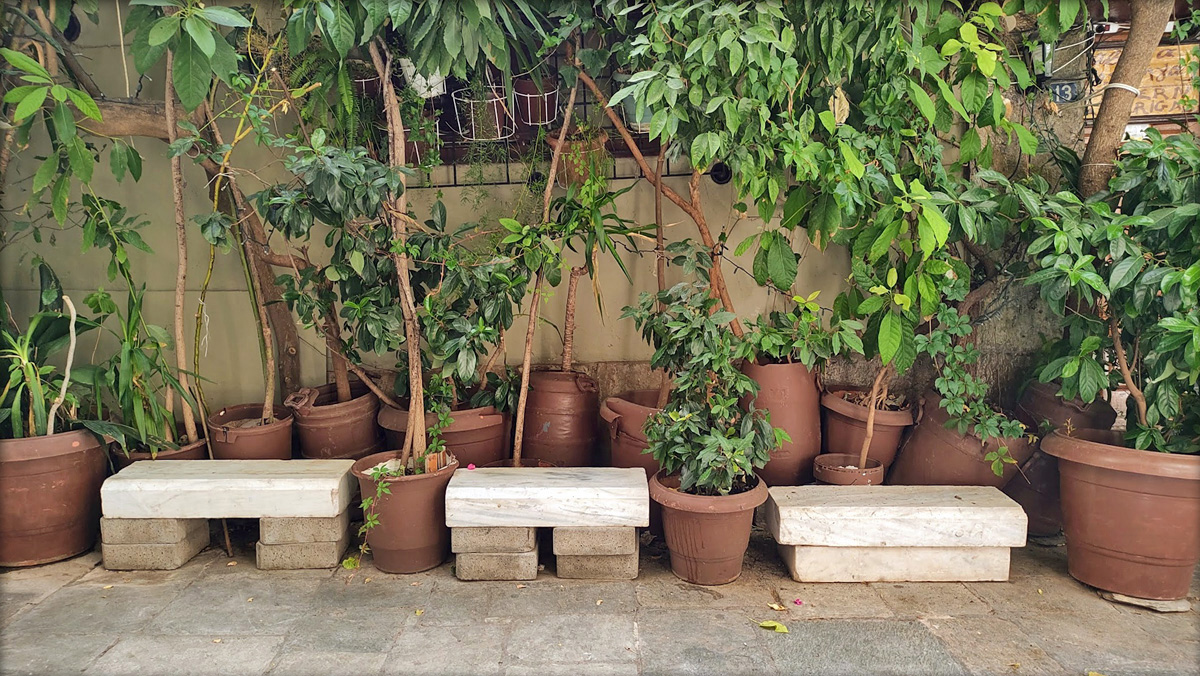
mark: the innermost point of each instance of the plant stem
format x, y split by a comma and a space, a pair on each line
874, 401
62, 391
265, 346
525, 366
1139, 397
660, 254
569, 317
189, 418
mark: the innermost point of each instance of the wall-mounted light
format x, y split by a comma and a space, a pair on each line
720, 173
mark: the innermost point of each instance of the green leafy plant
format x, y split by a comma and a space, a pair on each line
801, 335
32, 385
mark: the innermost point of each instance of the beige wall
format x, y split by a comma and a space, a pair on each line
231, 359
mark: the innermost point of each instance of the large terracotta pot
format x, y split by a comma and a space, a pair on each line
935, 455
841, 469
261, 442
1132, 518
330, 429
197, 450
476, 436
706, 535
412, 535
562, 418
49, 497
846, 428
625, 416
1035, 488
789, 393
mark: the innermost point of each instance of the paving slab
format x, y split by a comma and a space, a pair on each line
254, 606
572, 639
597, 566
837, 600
551, 596
863, 647
1082, 644
575, 541
492, 540
471, 648
300, 529
88, 609
308, 663
25, 655
703, 642
188, 655
931, 600
993, 645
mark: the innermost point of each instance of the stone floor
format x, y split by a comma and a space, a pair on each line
223, 616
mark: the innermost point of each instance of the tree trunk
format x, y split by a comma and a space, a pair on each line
341, 370
660, 254
569, 318
189, 418
1148, 20
526, 363
874, 402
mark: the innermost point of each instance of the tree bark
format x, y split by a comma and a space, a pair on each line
1148, 20
874, 401
569, 318
189, 418
660, 255
1139, 397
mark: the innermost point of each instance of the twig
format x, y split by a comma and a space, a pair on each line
62, 391
1114, 329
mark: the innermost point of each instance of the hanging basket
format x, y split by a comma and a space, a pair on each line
483, 117
537, 102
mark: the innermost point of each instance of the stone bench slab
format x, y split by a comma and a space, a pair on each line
548, 497
894, 516
896, 564
233, 489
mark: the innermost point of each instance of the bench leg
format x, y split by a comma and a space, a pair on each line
151, 544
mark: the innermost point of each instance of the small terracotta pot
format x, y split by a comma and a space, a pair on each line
707, 536
49, 497
412, 535
625, 416
561, 418
840, 469
197, 450
1132, 518
578, 159
935, 455
789, 393
846, 428
272, 441
328, 428
476, 436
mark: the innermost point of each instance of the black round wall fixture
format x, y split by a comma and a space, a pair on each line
720, 173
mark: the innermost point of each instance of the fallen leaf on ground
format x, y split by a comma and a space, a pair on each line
599, 601
107, 586
216, 640
415, 584
420, 611
1039, 591
232, 563
249, 599
522, 586
777, 627
366, 580
776, 606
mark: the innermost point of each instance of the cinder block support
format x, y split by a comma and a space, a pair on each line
598, 567
149, 531
585, 541
495, 540
301, 555
155, 556
295, 530
497, 566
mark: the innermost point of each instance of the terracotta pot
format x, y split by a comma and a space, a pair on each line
329, 429
935, 455
197, 450
789, 393
1035, 488
846, 428
412, 535
477, 436
562, 418
1132, 518
537, 102
835, 469
525, 462
625, 416
261, 442
579, 158
49, 497
706, 535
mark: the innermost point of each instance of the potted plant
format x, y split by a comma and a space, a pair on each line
482, 111
583, 152
789, 348
1131, 502
708, 439
50, 474
536, 95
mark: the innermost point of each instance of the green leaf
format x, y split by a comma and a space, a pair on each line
84, 103
82, 163
828, 121
58, 198
1029, 142
23, 62
777, 627
45, 175
163, 30
201, 34
224, 16
850, 159
134, 159
145, 55
891, 331
337, 26
357, 261
64, 122
30, 104
224, 62
922, 100
192, 74
1125, 272
782, 263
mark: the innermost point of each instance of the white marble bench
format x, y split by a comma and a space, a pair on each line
494, 514
895, 533
155, 513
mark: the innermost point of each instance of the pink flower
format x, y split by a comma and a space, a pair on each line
799, 602
471, 465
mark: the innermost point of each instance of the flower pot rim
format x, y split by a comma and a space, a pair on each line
1094, 452
833, 402
166, 453
707, 504
396, 419
358, 469
25, 448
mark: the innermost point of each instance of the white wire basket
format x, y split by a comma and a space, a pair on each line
483, 118
537, 108
415, 152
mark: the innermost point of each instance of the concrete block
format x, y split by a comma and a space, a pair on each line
548, 497
149, 531
492, 540
896, 564
154, 556
894, 516
302, 555
497, 566
605, 567
297, 529
585, 541
234, 489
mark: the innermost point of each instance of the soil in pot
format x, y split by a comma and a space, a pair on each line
412, 535
845, 414
789, 393
197, 450
1132, 518
706, 535
562, 415
327, 428
1036, 487
625, 417
841, 469
935, 455
237, 433
476, 436
49, 497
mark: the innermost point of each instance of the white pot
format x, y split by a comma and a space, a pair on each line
426, 87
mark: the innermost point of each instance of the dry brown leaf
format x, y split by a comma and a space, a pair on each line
107, 586
231, 563
776, 606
